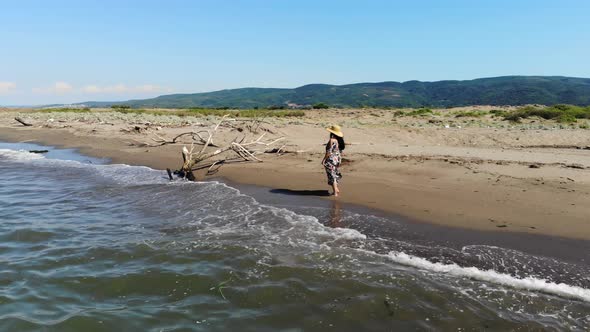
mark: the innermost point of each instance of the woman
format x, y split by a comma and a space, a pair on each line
332, 158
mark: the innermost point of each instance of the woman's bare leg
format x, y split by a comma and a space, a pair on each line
335, 188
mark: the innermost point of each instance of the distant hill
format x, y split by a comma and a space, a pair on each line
506, 90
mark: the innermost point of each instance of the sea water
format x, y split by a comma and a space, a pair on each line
88, 246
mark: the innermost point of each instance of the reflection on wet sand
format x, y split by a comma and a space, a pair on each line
335, 215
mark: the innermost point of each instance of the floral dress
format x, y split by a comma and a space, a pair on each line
332, 163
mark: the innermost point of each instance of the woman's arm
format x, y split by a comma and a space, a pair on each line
328, 149
325, 157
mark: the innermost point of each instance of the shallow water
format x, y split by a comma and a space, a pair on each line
96, 247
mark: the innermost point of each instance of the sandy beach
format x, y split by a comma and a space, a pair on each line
165, 166
470, 172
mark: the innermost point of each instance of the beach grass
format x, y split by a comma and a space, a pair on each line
247, 113
64, 110
420, 112
560, 112
471, 114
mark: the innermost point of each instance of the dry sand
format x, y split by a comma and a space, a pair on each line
477, 173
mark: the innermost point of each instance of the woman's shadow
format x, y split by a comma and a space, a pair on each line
301, 192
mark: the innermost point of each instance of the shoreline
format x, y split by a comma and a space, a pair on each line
389, 253
430, 234
479, 188
397, 227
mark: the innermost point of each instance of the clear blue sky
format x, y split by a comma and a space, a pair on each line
70, 51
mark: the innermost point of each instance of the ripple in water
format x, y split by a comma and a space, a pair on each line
89, 246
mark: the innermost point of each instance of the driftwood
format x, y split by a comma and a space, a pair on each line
240, 150
38, 151
23, 122
198, 137
194, 135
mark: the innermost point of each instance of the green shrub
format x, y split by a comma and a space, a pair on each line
562, 107
496, 113
560, 112
120, 107
566, 118
470, 114
65, 110
134, 111
249, 113
420, 112
320, 106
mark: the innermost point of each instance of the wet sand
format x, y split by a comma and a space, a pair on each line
428, 234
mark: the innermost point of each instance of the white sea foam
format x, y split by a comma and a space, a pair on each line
20, 155
311, 226
339, 233
531, 284
131, 175
120, 173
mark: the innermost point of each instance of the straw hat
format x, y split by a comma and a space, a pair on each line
335, 129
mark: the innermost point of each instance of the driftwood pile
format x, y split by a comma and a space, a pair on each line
244, 148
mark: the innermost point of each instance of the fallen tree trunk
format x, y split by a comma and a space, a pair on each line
23, 122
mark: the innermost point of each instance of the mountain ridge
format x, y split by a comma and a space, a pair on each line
502, 90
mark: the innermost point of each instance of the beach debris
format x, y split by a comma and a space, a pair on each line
576, 166
134, 130
244, 149
23, 122
277, 150
283, 150
38, 151
534, 166
220, 288
222, 285
195, 136
555, 146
